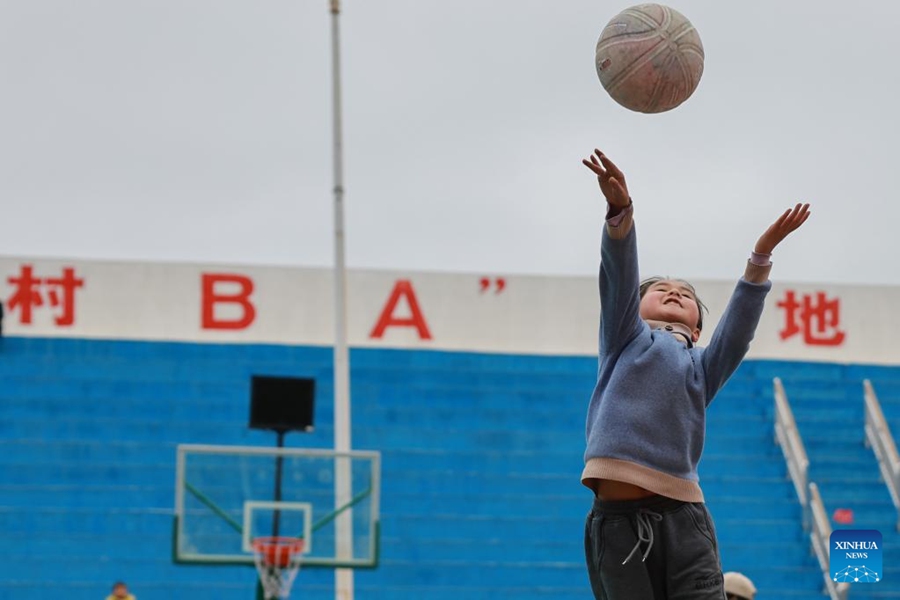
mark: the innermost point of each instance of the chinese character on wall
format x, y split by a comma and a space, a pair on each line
56, 293
813, 316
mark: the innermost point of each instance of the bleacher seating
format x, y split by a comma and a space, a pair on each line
827, 401
481, 460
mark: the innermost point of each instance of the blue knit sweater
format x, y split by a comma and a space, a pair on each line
646, 421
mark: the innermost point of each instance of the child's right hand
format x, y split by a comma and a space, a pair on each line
611, 179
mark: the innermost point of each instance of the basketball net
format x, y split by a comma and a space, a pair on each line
277, 562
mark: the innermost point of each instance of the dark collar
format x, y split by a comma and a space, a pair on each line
679, 330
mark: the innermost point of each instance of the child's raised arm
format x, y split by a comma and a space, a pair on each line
731, 339
619, 282
760, 260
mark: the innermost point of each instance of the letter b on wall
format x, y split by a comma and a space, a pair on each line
225, 301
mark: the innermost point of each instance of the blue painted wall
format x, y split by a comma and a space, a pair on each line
481, 463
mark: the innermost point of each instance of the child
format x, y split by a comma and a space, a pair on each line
649, 535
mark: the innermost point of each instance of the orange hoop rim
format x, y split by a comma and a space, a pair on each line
293, 545
278, 551
277, 562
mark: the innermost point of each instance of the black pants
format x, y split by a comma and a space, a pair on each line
669, 549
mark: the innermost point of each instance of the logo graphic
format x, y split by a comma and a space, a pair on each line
855, 555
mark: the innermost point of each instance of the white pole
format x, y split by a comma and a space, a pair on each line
343, 578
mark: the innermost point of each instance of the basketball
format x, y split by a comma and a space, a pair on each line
649, 58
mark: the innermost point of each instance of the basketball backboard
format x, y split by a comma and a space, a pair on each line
225, 496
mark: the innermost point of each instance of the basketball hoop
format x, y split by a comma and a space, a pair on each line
277, 561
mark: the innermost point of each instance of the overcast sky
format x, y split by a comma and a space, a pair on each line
200, 130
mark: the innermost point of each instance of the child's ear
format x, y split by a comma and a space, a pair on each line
695, 335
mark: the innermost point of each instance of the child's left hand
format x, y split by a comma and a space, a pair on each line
780, 229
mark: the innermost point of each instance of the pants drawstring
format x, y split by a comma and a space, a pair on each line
644, 532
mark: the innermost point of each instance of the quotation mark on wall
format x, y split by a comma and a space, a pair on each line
486, 283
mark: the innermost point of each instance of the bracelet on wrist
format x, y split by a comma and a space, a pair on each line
761, 259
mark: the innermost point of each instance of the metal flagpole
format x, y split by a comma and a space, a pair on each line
343, 578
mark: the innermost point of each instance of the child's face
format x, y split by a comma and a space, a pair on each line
671, 301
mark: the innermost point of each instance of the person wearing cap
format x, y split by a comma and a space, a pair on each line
739, 587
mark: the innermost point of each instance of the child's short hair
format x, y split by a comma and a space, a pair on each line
701, 308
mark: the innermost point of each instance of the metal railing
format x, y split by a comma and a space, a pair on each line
815, 519
788, 437
880, 440
820, 537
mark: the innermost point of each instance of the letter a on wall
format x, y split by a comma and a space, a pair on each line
402, 289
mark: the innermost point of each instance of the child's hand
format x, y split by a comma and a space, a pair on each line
786, 223
612, 181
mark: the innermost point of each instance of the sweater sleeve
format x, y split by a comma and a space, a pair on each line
620, 317
731, 339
